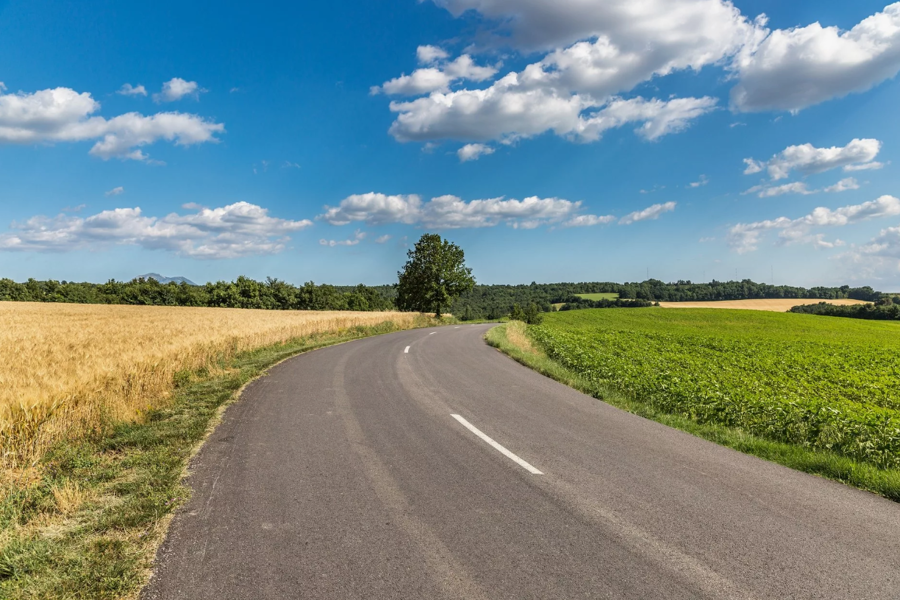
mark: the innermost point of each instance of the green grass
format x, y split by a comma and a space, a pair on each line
88, 524
672, 368
595, 297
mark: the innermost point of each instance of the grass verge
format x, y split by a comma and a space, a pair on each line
512, 339
88, 521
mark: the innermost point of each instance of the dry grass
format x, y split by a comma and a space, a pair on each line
66, 370
778, 305
515, 334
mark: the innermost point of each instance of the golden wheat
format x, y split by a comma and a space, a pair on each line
66, 369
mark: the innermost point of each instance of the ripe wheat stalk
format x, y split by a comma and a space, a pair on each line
67, 370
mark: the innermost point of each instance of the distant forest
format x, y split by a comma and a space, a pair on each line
493, 301
483, 302
271, 294
886, 309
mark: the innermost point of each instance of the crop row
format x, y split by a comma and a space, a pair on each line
783, 377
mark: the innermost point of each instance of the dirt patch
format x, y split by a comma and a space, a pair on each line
778, 305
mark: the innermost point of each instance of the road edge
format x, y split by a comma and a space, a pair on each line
512, 340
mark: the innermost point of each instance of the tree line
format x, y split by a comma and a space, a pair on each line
886, 308
495, 301
271, 294
479, 302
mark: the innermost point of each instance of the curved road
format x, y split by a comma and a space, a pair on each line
425, 464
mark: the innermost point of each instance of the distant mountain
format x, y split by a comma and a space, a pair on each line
162, 279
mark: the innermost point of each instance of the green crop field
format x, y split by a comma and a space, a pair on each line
595, 297
821, 383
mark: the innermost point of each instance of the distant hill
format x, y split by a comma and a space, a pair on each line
162, 279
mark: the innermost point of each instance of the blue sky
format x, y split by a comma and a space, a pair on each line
310, 141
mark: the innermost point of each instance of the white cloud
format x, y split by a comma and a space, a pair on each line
435, 78
473, 152
745, 237
592, 51
64, 115
658, 34
176, 89
880, 258
450, 212
808, 160
589, 221
753, 166
700, 183
427, 55
869, 166
843, 185
796, 68
2, 87
239, 229
765, 191
129, 90
651, 213
382, 239
374, 209
115, 191
356, 239
508, 110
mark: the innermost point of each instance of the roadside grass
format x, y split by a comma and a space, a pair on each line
512, 339
87, 521
601, 296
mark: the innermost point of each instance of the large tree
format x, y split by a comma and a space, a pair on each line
435, 274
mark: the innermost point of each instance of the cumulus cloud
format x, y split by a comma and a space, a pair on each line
129, 90
382, 239
869, 166
176, 89
427, 55
799, 67
508, 111
473, 152
239, 229
879, 258
843, 185
353, 241
766, 191
64, 115
858, 155
745, 237
592, 51
651, 213
374, 209
115, 191
450, 212
658, 34
589, 221
699, 183
435, 78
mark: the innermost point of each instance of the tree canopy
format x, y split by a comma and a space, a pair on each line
435, 274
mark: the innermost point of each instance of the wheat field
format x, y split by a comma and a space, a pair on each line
67, 369
771, 305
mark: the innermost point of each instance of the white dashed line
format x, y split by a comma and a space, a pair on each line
432, 333
497, 446
406, 351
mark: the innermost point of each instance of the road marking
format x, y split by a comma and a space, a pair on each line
497, 446
457, 327
406, 351
432, 333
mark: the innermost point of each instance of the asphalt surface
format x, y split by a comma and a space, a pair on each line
343, 474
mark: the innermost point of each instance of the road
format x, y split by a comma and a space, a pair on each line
425, 464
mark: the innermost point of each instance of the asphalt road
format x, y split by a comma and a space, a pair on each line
345, 474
